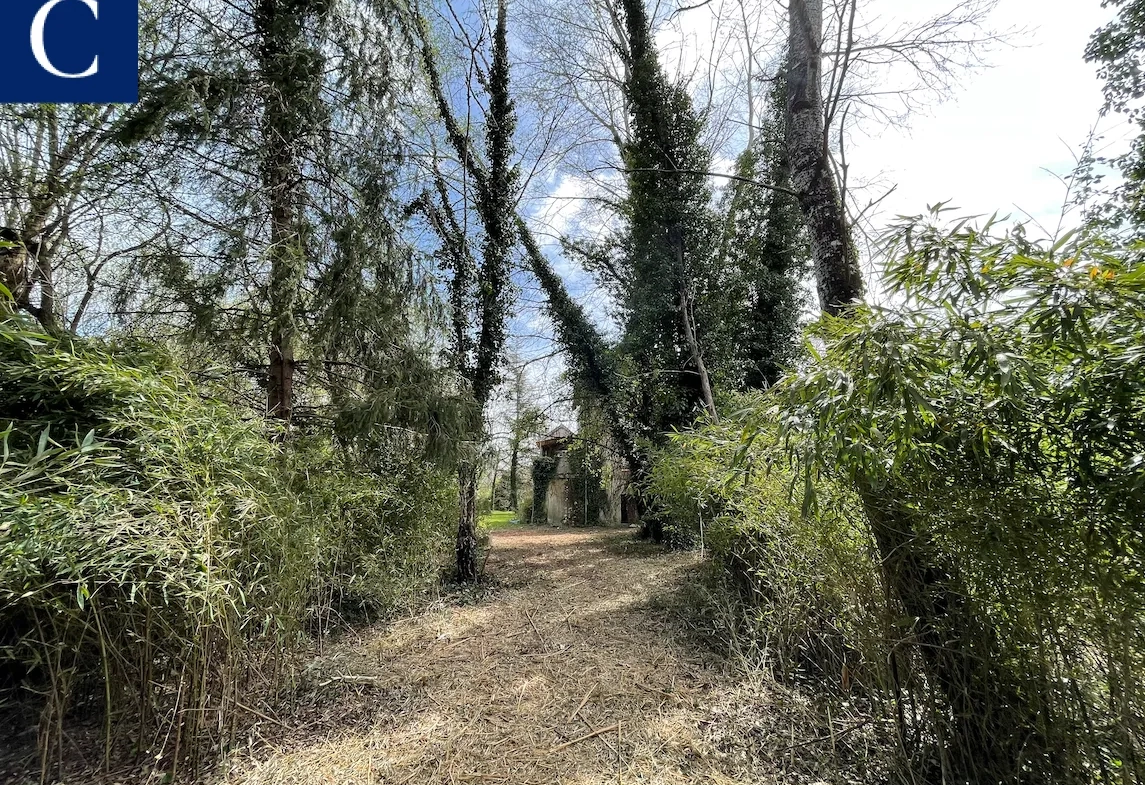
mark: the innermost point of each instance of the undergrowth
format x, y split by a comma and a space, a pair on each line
799, 596
942, 511
161, 555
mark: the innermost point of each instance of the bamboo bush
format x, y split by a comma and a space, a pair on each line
991, 424
794, 591
160, 556
996, 414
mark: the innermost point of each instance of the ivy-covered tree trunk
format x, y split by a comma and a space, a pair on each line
22, 265
478, 358
12, 269
466, 551
668, 234
837, 274
285, 278
588, 353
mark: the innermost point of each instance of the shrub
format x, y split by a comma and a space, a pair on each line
992, 425
543, 470
380, 529
953, 488
587, 495
806, 588
525, 509
157, 550
484, 504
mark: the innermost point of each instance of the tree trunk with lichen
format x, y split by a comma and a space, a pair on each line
837, 274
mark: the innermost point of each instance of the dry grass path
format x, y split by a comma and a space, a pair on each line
570, 673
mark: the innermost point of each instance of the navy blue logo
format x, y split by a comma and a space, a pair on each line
69, 51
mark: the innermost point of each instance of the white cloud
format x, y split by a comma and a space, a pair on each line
988, 148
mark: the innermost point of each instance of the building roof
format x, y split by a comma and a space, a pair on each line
555, 436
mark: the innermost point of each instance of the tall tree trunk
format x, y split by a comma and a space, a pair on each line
687, 320
973, 701
587, 350
48, 315
283, 126
467, 522
496, 204
840, 282
697, 356
284, 282
513, 466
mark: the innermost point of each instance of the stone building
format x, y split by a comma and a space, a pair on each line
580, 490
555, 460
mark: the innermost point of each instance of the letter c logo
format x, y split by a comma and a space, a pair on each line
41, 53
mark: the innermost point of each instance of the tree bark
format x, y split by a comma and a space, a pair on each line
282, 129
47, 315
839, 280
688, 322
513, 466
467, 523
26, 264
697, 356
14, 271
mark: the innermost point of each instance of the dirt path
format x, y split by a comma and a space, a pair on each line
566, 675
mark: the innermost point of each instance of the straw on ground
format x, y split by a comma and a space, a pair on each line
567, 675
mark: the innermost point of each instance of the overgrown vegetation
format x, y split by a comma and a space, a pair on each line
944, 507
799, 596
253, 332
972, 454
543, 471
161, 557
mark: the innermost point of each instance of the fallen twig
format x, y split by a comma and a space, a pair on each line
586, 737
349, 680
259, 714
541, 638
830, 737
587, 695
644, 686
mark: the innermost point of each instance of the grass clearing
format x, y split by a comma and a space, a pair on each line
498, 520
